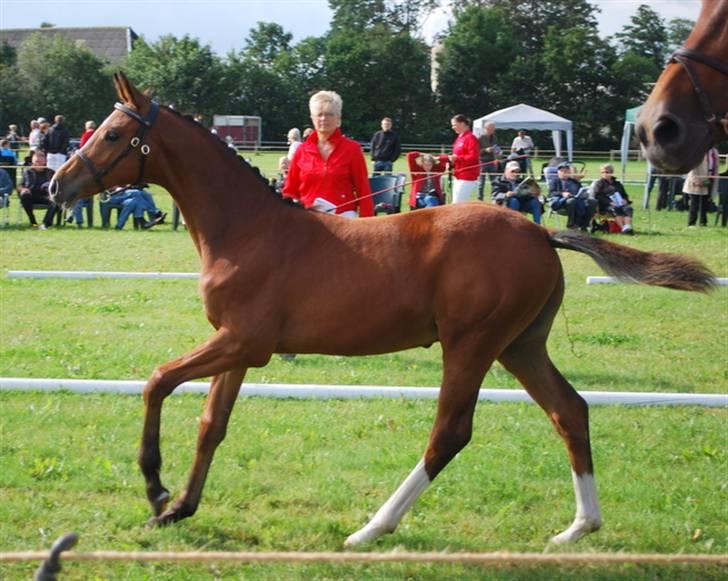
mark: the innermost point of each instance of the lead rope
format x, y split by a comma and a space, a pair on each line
572, 343
437, 173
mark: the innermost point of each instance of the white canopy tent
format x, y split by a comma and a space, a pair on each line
630, 120
523, 116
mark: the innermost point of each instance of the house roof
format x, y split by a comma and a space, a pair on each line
109, 43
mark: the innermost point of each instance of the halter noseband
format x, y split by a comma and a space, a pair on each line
683, 56
145, 123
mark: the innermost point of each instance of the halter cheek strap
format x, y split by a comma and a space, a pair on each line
145, 123
683, 56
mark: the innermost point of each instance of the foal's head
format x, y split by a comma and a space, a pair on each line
115, 154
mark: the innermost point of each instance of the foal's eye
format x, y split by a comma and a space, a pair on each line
112, 136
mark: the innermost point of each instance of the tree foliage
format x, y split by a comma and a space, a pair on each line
493, 54
55, 76
180, 72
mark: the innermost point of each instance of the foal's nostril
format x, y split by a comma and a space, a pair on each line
53, 188
668, 131
642, 135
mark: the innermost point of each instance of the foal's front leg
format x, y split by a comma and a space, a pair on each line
213, 426
217, 355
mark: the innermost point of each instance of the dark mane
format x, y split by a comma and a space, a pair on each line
223, 146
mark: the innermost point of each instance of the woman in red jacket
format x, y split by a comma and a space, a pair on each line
465, 159
328, 172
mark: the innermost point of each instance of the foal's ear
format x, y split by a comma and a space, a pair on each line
127, 92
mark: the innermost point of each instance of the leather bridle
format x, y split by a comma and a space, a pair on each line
687, 56
145, 123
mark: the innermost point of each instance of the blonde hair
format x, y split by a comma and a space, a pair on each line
607, 167
294, 134
329, 98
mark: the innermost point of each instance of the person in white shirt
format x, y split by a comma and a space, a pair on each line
523, 145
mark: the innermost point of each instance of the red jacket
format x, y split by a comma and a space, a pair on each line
467, 163
341, 180
85, 136
419, 176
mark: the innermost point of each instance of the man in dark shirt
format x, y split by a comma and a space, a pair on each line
385, 147
55, 143
567, 196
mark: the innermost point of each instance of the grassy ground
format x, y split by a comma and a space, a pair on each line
608, 337
302, 475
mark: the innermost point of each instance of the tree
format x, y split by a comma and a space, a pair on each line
477, 50
678, 30
577, 82
646, 35
180, 72
14, 106
265, 81
267, 41
57, 76
531, 19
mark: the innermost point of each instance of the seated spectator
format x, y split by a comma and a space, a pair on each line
515, 193
133, 200
279, 181
612, 198
6, 187
568, 197
426, 171
34, 190
6, 151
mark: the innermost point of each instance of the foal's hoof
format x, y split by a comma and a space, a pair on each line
159, 502
164, 519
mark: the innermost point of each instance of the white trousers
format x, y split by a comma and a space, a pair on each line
463, 190
55, 160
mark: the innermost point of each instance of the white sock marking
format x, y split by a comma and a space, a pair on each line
588, 517
388, 517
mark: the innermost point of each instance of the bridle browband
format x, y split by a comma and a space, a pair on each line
145, 123
684, 56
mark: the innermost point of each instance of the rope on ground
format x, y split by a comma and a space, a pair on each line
495, 558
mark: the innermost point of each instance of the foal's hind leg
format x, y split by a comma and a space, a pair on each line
213, 426
528, 360
215, 356
464, 370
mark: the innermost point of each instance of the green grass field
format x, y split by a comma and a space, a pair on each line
303, 475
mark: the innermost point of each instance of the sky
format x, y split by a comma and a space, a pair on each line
225, 24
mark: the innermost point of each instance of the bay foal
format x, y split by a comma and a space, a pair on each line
484, 281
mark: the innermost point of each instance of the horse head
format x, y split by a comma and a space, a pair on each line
687, 111
116, 153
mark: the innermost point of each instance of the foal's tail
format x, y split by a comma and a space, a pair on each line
656, 268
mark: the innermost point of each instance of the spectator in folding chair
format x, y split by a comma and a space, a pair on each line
34, 190
426, 172
612, 198
77, 212
568, 196
6, 187
133, 200
516, 194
